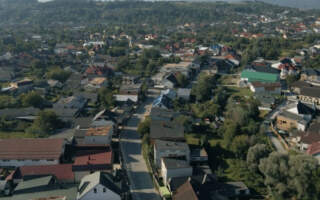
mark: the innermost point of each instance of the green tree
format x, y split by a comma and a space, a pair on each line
255, 154
240, 145
32, 99
290, 176
106, 97
46, 123
58, 74
144, 127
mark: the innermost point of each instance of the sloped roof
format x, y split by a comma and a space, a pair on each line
62, 172
90, 181
31, 148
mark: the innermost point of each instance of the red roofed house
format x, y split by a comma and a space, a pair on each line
63, 172
24, 152
314, 150
87, 164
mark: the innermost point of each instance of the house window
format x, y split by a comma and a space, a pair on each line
35, 160
50, 160
5, 160
104, 190
95, 190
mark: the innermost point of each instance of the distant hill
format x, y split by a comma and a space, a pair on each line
302, 4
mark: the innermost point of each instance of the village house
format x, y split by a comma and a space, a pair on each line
167, 149
296, 116
129, 79
129, 92
21, 152
314, 150
163, 101
206, 187
99, 135
306, 92
171, 168
166, 130
62, 172
99, 185
310, 75
87, 164
303, 140
265, 88
96, 83
42, 187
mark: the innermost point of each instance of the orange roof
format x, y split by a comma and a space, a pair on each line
99, 131
94, 159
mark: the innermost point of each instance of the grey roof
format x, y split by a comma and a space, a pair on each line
312, 72
295, 117
265, 99
19, 112
33, 184
163, 114
83, 122
184, 92
3, 184
172, 163
162, 145
66, 190
310, 91
90, 181
166, 130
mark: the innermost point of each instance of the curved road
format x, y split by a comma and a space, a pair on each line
141, 184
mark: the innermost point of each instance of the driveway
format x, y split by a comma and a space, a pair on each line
275, 140
140, 181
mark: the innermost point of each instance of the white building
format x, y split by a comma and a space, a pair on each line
168, 149
174, 168
98, 186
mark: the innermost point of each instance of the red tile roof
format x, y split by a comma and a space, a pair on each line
185, 192
62, 172
314, 148
99, 131
104, 158
11, 149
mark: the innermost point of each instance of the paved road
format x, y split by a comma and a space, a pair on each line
274, 140
142, 187
276, 143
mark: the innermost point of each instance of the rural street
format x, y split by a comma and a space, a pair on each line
140, 181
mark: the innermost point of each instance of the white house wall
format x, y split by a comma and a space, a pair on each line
124, 98
100, 195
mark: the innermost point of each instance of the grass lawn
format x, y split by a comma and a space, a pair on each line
229, 80
6, 135
237, 91
263, 113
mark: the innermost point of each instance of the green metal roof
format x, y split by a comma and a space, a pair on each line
259, 76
